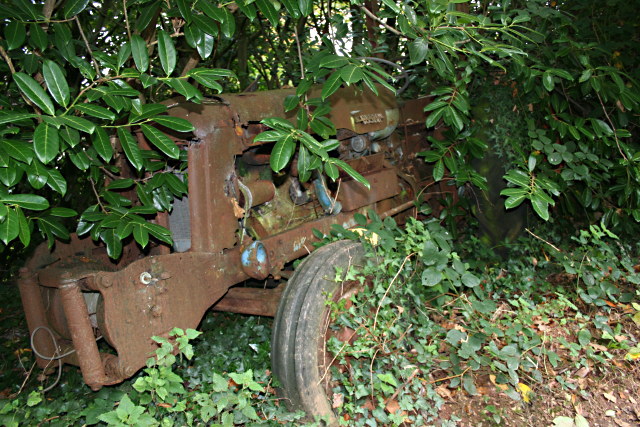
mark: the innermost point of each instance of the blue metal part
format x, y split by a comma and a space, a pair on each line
255, 261
329, 205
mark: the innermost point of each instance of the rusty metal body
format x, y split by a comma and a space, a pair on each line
239, 222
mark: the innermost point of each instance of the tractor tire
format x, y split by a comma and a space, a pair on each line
301, 328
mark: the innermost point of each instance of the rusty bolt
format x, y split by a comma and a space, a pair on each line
156, 311
105, 281
146, 278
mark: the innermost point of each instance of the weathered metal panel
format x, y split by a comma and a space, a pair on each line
353, 195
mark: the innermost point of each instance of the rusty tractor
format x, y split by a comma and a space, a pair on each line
240, 222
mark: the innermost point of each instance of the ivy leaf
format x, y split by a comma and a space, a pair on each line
161, 141
34, 92
166, 52
46, 142
282, 153
131, 149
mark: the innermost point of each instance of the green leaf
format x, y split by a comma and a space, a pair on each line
541, 207
114, 250
282, 153
185, 89
63, 212
9, 228
34, 92
46, 142
418, 50
141, 235
96, 111
15, 117
228, 25
518, 177
331, 170
267, 8
24, 232
393, 6
161, 141
204, 44
131, 149
333, 61
74, 7
166, 52
470, 280
140, 53
102, 144
602, 127
351, 73
175, 123
351, 172
514, 201
438, 170
56, 181
79, 123
584, 337
38, 37
431, 277
184, 7
331, 85
20, 151
15, 34
547, 81
26, 201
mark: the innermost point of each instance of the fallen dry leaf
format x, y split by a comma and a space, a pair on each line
610, 397
392, 406
338, 400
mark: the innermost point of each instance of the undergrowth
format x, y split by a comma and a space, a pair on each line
434, 317
430, 322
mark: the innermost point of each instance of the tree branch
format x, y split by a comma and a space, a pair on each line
384, 24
